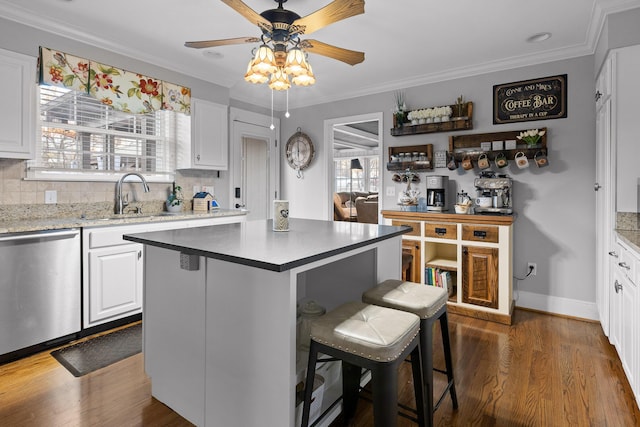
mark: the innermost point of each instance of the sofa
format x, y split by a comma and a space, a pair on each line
366, 202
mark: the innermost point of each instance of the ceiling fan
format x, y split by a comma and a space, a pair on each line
282, 28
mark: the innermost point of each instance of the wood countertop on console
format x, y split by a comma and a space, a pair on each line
449, 217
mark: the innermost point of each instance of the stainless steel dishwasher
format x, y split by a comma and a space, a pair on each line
39, 288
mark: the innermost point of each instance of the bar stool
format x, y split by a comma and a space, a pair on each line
430, 304
370, 337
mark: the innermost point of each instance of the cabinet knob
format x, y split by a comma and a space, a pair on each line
613, 254
618, 286
596, 186
598, 95
198, 157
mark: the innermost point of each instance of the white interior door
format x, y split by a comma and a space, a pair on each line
255, 177
256, 167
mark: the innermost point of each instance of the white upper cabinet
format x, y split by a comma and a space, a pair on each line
18, 106
209, 144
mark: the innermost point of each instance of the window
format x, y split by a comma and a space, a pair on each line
366, 180
81, 138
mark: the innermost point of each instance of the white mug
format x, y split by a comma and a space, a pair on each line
280, 215
484, 202
521, 160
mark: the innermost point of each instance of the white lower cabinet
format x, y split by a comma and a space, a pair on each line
624, 328
112, 277
115, 275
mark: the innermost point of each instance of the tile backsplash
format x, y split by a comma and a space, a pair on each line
20, 195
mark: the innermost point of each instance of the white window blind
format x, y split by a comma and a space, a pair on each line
367, 179
82, 137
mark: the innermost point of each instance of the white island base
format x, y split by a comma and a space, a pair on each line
220, 341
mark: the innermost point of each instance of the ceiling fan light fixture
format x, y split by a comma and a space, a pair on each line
264, 61
305, 79
254, 77
296, 62
279, 80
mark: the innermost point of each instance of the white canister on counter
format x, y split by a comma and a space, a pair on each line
280, 215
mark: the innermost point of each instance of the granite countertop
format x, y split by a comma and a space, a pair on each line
631, 238
255, 244
26, 225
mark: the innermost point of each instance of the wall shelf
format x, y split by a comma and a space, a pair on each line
418, 166
459, 121
463, 145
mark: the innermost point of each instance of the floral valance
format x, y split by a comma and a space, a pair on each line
120, 89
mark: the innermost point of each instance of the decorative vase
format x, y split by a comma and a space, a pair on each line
436, 120
429, 120
173, 208
445, 118
414, 121
422, 121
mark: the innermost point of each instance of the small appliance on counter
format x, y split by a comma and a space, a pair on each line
494, 194
437, 193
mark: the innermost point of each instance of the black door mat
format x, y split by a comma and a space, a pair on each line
96, 353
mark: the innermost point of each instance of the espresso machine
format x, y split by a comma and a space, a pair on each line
497, 189
437, 193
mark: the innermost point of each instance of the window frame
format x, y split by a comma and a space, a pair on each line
36, 170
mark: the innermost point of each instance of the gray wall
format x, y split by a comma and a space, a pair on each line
620, 30
555, 206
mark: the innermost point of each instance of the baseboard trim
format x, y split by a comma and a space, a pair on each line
557, 305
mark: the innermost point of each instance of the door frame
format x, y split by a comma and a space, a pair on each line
328, 155
235, 140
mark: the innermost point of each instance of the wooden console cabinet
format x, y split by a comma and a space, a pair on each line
475, 249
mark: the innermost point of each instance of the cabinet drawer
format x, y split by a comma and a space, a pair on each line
415, 226
480, 233
441, 231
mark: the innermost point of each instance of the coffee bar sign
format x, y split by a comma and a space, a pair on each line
538, 99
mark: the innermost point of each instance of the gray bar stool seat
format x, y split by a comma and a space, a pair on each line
430, 304
369, 337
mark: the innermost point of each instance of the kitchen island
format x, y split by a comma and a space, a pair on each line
220, 309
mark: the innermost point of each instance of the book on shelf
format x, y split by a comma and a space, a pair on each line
437, 277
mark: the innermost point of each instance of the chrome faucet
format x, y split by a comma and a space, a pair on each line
121, 203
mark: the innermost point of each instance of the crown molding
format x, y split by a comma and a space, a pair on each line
63, 29
599, 15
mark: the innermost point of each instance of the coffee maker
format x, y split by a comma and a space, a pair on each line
437, 193
496, 188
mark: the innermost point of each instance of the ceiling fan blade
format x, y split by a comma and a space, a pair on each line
350, 57
333, 12
221, 42
251, 15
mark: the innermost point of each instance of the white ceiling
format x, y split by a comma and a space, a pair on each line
406, 42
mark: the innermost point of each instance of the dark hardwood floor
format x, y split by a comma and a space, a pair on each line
541, 371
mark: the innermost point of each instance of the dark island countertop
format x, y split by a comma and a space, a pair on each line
255, 244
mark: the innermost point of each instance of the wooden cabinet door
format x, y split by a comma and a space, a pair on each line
480, 276
412, 247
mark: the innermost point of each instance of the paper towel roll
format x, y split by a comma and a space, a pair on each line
280, 215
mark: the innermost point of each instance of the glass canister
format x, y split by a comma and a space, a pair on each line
310, 310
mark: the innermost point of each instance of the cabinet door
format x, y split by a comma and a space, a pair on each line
412, 247
628, 331
17, 109
115, 277
480, 276
209, 135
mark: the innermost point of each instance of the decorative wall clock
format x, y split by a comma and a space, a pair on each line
299, 152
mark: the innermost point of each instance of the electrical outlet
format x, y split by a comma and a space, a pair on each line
51, 197
534, 270
391, 191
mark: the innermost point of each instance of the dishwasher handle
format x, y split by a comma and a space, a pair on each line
53, 234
